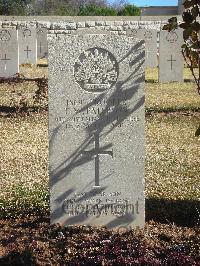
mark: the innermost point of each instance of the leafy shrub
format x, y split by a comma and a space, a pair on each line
129, 10
92, 10
10, 7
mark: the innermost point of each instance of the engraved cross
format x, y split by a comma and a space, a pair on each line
171, 60
96, 152
5, 59
27, 51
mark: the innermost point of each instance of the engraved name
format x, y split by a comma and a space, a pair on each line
73, 208
81, 114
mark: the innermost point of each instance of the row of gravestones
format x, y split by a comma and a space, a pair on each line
21, 46
169, 58
32, 42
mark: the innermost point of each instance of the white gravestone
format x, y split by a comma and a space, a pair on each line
96, 130
150, 38
171, 61
42, 47
27, 45
9, 59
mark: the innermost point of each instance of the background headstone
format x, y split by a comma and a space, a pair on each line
42, 47
150, 38
96, 130
171, 61
27, 45
9, 60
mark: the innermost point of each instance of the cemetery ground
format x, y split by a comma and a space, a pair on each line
171, 235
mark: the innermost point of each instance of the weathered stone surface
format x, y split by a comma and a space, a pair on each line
109, 23
83, 18
42, 46
170, 58
96, 130
80, 24
63, 25
133, 32
71, 25
100, 23
156, 25
27, 45
90, 23
9, 59
119, 23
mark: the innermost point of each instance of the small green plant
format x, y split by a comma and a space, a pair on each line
24, 199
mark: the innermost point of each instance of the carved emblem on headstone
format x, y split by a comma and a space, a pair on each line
5, 35
26, 33
96, 70
148, 35
172, 37
40, 32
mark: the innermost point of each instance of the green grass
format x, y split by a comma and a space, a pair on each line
10, 95
172, 159
173, 96
159, 97
24, 151
170, 96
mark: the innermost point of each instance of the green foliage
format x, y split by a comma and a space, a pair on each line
10, 7
23, 199
65, 8
53, 8
92, 10
62, 10
33, 7
129, 10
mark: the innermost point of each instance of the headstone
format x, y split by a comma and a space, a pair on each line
9, 60
27, 45
42, 47
150, 38
171, 61
96, 130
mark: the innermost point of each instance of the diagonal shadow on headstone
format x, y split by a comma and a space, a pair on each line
123, 88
